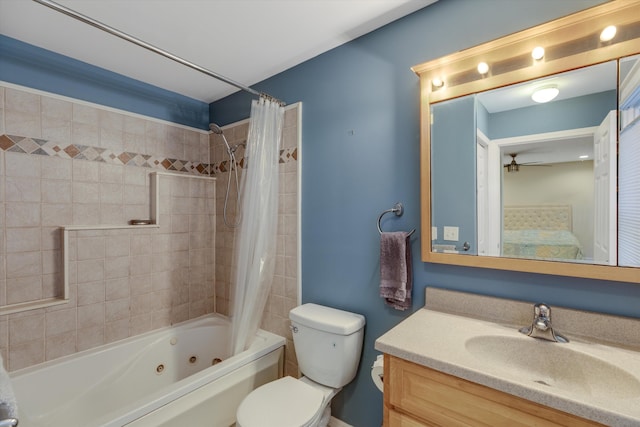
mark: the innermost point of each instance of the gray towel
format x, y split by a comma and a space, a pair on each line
395, 269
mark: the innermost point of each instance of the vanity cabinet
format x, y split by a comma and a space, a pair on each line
417, 396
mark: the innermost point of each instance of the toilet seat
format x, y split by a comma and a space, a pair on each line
286, 402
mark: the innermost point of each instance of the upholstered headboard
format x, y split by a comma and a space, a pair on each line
539, 217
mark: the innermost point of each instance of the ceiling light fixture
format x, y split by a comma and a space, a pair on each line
608, 33
483, 68
538, 53
545, 94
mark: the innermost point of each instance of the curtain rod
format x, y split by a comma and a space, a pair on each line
99, 25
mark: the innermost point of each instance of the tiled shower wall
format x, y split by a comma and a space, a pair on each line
285, 289
64, 162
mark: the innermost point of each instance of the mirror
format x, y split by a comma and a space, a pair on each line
539, 158
512, 184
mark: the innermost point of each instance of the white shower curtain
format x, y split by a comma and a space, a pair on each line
256, 246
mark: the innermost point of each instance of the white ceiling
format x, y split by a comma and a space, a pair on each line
244, 40
572, 84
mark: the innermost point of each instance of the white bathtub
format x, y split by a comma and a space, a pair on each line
160, 378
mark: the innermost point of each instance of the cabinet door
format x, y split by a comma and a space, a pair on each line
398, 419
438, 399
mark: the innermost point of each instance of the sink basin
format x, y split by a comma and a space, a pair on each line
550, 364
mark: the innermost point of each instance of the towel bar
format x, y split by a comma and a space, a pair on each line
397, 209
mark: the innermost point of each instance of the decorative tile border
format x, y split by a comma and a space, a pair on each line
286, 155
26, 145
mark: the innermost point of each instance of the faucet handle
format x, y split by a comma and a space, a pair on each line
542, 310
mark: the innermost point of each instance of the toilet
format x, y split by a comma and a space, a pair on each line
328, 344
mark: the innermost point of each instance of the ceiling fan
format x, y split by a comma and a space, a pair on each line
515, 166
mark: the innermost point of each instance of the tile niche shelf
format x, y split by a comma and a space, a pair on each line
65, 229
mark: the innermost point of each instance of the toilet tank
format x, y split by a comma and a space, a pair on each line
328, 343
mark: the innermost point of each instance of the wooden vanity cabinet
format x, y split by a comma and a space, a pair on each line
417, 396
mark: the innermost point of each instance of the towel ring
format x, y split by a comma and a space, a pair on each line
397, 209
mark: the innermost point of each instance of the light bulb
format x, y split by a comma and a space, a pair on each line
537, 53
437, 82
483, 68
608, 33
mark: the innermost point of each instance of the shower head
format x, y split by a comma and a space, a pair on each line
218, 131
215, 129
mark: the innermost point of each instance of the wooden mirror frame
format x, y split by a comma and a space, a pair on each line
570, 43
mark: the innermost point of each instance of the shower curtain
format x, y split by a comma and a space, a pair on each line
256, 246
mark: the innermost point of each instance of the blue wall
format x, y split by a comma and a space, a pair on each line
575, 113
27, 65
454, 201
360, 155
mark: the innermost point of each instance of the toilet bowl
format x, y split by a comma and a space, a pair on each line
287, 402
328, 345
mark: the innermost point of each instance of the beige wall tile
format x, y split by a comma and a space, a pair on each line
22, 165
92, 315
26, 354
90, 293
117, 246
56, 168
86, 192
23, 239
56, 108
117, 267
89, 337
141, 285
58, 322
90, 270
84, 171
112, 214
85, 214
20, 189
117, 310
111, 193
85, 134
117, 287
116, 330
85, 114
56, 191
60, 345
57, 214
113, 174
23, 264
24, 289
91, 247
26, 328
140, 244
55, 129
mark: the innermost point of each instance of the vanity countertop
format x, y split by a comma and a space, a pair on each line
441, 340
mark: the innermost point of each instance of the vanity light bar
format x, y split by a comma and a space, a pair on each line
468, 71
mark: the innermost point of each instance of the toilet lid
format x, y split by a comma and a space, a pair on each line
281, 403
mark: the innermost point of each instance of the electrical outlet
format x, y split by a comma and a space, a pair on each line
451, 233
434, 233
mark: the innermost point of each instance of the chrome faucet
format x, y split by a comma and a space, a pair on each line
541, 325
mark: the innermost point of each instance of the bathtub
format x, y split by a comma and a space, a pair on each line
176, 376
